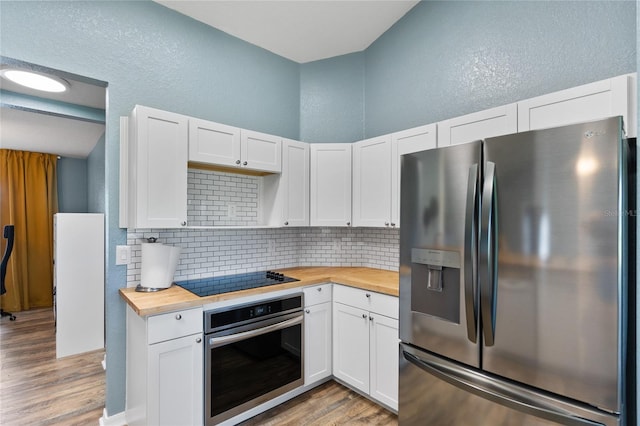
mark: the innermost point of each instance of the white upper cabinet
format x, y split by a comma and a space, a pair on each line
213, 143
260, 151
372, 182
286, 196
602, 99
157, 172
295, 178
221, 145
330, 184
405, 142
498, 121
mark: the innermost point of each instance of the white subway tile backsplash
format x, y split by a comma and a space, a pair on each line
216, 252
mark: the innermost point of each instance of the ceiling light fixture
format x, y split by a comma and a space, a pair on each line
35, 80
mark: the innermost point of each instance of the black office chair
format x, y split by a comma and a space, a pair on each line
8, 234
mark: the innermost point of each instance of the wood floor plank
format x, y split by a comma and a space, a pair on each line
328, 404
38, 389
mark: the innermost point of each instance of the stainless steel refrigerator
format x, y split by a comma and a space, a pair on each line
514, 280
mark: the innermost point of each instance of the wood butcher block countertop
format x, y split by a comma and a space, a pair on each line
175, 297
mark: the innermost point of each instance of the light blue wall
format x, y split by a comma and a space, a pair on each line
72, 185
449, 58
153, 56
95, 178
332, 99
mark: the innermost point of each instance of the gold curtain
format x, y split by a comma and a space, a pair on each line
28, 200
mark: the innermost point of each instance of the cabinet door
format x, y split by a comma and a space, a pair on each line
295, 178
351, 346
330, 184
175, 392
317, 342
213, 143
498, 121
384, 359
405, 142
158, 176
261, 151
372, 182
602, 99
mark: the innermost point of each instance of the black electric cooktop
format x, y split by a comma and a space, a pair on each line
216, 285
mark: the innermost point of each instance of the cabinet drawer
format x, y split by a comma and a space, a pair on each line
369, 300
173, 325
320, 293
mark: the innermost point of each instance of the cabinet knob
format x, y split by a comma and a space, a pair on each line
237, 161
364, 316
393, 224
370, 318
183, 223
198, 340
244, 164
348, 223
319, 288
307, 311
178, 317
386, 224
368, 295
286, 223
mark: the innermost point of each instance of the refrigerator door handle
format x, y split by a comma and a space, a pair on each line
470, 251
488, 254
500, 392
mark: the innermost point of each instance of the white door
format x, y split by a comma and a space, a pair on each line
405, 142
384, 359
351, 346
317, 338
175, 378
330, 184
160, 168
594, 101
261, 151
213, 143
498, 121
372, 182
295, 178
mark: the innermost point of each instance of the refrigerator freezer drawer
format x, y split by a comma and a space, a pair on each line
436, 391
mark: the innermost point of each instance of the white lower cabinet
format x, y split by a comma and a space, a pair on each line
165, 369
317, 332
365, 342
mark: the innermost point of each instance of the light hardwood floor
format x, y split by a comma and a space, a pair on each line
328, 404
38, 389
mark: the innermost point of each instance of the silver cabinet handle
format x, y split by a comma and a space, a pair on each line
307, 311
244, 164
178, 317
237, 161
183, 223
198, 340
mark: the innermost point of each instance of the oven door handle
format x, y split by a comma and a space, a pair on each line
215, 342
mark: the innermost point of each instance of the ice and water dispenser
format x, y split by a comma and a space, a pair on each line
435, 283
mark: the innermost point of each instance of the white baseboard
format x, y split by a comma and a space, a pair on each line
115, 420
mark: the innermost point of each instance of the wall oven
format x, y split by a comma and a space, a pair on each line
254, 353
